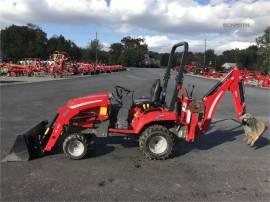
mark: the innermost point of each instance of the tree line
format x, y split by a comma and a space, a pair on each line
30, 41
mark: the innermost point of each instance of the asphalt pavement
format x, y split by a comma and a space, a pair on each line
218, 166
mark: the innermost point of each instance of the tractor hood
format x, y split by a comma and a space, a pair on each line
95, 99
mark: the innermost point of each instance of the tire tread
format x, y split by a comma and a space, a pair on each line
79, 136
147, 133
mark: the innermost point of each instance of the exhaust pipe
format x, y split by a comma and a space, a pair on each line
254, 128
28, 145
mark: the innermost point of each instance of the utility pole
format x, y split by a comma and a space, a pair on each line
204, 59
96, 48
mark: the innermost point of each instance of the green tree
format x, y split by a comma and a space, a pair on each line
89, 54
247, 57
19, 42
129, 58
115, 52
210, 57
263, 43
198, 58
153, 54
191, 58
59, 43
220, 60
75, 52
103, 57
134, 51
164, 59
230, 55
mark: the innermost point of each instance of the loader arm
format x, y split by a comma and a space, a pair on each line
65, 115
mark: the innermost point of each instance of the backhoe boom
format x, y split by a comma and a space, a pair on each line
197, 116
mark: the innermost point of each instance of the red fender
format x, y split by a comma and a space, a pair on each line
151, 117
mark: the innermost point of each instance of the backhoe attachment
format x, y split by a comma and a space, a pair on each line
253, 128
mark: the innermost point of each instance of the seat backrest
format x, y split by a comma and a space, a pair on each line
156, 91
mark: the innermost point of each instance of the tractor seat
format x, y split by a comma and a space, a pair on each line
154, 98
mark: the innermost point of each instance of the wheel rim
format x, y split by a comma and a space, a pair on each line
158, 144
75, 148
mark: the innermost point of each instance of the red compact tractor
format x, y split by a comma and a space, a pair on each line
157, 124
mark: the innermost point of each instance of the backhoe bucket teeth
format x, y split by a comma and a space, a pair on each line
254, 128
28, 145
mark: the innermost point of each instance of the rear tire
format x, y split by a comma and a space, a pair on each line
75, 146
156, 142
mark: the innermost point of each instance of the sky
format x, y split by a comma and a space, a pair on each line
225, 24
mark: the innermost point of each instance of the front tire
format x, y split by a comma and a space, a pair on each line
156, 142
75, 146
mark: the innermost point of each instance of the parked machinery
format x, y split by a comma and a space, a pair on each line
59, 66
18, 70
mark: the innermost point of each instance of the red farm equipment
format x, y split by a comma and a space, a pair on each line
255, 78
158, 124
189, 68
100, 68
264, 81
114, 68
121, 68
86, 68
38, 67
109, 68
18, 70
59, 66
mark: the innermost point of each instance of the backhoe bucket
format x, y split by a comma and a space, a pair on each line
254, 128
28, 145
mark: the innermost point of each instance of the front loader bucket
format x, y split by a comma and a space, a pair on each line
254, 128
28, 145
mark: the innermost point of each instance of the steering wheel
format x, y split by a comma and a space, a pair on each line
120, 90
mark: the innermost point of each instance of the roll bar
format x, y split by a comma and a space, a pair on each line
180, 74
